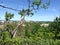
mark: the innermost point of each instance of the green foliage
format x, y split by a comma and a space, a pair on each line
33, 32
55, 27
8, 16
29, 41
32, 6
46, 5
37, 3
26, 12
34, 35
10, 27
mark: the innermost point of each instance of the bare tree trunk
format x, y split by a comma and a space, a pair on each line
15, 30
14, 33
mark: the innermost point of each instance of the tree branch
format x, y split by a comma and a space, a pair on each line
8, 7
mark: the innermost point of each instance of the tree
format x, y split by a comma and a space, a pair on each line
7, 26
55, 27
8, 16
32, 6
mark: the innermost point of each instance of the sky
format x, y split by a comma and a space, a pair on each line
41, 15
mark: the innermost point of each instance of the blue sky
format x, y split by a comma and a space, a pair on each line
42, 15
